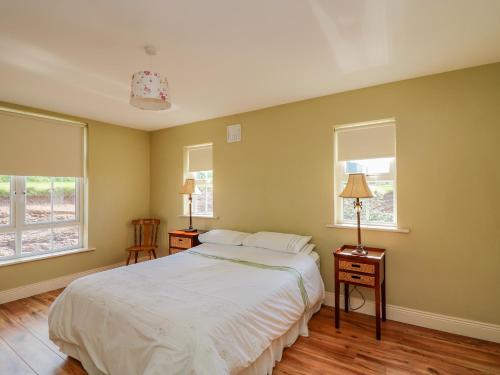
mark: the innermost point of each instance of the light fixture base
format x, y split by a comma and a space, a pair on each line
359, 250
150, 50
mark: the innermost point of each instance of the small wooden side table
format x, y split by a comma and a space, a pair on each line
178, 240
361, 270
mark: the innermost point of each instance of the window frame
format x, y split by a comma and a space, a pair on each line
340, 176
12, 205
187, 174
17, 218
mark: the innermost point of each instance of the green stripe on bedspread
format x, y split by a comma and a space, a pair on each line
290, 270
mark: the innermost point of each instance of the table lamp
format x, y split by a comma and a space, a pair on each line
189, 188
357, 187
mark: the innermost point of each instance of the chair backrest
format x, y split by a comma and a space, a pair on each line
145, 232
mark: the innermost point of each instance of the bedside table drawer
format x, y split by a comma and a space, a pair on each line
181, 242
354, 266
355, 278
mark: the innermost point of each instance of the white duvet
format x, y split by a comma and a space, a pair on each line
211, 310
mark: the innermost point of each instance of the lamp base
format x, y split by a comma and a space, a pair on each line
359, 250
190, 230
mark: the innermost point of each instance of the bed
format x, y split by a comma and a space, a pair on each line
213, 309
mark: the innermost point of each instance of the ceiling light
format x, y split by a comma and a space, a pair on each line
149, 90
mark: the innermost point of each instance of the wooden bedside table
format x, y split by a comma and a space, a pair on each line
361, 270
179, 240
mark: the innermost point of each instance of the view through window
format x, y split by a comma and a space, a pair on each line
202, 202
381, 209
39, 214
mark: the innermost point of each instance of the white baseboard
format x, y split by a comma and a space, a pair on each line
52, 284
446, 323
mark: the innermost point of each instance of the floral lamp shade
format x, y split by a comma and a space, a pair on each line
149, 91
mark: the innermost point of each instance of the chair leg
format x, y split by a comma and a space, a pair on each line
128, 258
154, 253
136, 255
150, 254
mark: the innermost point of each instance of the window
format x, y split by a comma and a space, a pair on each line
198, 165
370, 149
39, 214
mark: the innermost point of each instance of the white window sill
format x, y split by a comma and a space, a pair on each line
33, 258
201, 217
365, 227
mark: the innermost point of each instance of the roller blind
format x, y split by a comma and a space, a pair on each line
366, 141
40, 146
199, 158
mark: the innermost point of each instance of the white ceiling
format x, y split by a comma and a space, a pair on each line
227, 56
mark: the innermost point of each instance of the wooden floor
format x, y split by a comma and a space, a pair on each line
26, 349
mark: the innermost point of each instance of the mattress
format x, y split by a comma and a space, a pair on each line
214, 309
316, 258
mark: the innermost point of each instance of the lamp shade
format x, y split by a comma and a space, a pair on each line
356, 187
149, 91
189, 187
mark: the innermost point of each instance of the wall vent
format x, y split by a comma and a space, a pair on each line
233, 133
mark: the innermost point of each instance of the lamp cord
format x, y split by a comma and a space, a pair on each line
355, 288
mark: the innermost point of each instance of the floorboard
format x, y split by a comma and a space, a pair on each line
25, 347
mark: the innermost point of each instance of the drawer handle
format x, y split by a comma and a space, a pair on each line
354, 265
355, 277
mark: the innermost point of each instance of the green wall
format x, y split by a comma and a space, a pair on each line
280, 178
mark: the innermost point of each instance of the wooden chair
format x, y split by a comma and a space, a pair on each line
145, 236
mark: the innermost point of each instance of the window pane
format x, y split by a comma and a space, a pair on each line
369, 166
38, 199
210, 198
5, 200
200, 200
66, 237
34, 241
7, 244
64, 197
203, 201
378, 210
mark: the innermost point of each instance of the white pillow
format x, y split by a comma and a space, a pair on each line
307, 249
223, 237
288, 243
